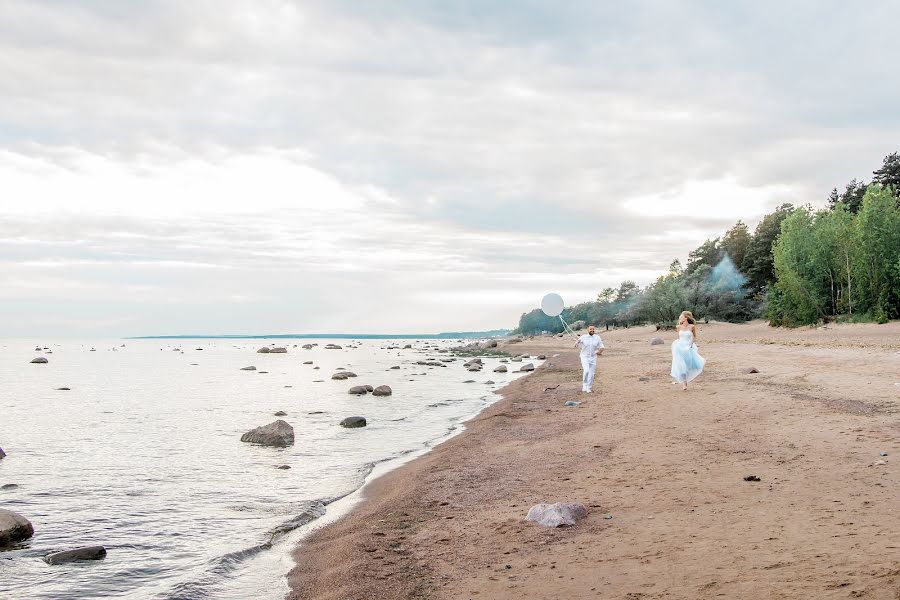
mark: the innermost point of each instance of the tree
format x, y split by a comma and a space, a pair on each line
889, 173
708, 253
877, 239
758, 264
735, 242
851, 198
627, 290
800, 268
606, 295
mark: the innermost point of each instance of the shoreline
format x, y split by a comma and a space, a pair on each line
668, 468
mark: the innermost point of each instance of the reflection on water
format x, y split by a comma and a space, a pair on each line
143, 454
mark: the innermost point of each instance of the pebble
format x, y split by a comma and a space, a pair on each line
884, 454
571, 403
880, 463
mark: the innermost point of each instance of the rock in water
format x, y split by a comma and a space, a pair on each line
526, 368
13, 528
369, 388
281, 413
278, 434
500, 369
250, 368
87, 553
40, 360
542, 357
264, 350
354, 422
382, 390
358, 390
278, 351
340, 375
333, 347
561, 514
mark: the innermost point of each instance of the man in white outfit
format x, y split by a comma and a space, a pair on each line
591, 347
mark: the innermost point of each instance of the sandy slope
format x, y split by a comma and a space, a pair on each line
668, 466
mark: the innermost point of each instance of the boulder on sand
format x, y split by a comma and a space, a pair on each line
369, 388
40, 360
358, 390
264, 350
526, 368
307, 362
351, 422
657, 341
277, 433
333, 347
340, 375
278, 350
561, 514
500, 369
2, 453
86, 553
250, 368
382, 390
13, 527
281, 413
749, 370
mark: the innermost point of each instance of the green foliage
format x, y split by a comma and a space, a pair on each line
758, 265
709, 253
889, 173
736, 242
851, 198
878, 252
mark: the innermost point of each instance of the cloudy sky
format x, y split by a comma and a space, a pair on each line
238, 166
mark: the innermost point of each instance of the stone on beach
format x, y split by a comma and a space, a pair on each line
14, 527
264, 350
657, 341
333, 347
86, 553
277, 433
340, 375
279, 350
500, 369
281, 413
307, 362
358, 390
526, 368
382, 390
561, 514
250, 368
749, 370
40, 360
351, 422
2, 453
369, 388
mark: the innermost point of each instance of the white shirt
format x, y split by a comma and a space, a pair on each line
589, 345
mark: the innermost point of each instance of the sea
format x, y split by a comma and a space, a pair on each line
143, 454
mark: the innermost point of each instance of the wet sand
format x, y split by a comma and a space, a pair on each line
667, 466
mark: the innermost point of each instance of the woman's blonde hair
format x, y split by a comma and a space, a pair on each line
691, 321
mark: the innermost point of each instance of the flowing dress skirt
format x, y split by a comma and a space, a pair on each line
686, 361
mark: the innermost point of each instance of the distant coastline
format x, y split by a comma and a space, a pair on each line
343, 336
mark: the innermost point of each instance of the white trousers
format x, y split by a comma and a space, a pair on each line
589, 364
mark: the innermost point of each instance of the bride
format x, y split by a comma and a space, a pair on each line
686, 360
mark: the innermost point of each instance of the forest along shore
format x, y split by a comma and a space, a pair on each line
662, 472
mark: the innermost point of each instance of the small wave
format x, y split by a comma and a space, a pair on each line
221, 566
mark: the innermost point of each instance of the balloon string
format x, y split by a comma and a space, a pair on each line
566, 326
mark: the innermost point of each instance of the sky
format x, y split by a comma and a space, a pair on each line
266, 166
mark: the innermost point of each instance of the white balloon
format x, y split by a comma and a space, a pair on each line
552, 305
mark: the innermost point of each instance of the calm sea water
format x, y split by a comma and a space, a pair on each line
143, 455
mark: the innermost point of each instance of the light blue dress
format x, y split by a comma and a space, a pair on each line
686, 361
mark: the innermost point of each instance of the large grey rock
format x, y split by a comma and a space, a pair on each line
264, 350
86, 553
657, 341
250, 368
340, 375
40, 360
351, 422
561, 514
500, 369
308, 346
369, 388
277, 433
278, 350
2, 453
14, 527
307, 362
382, 390
358, 390
527, 367
333, 347
280, 413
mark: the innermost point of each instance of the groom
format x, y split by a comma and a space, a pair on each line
591, 347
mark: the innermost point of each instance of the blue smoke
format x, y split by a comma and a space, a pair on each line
726, 278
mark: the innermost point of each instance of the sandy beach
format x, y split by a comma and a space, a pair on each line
662, 472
